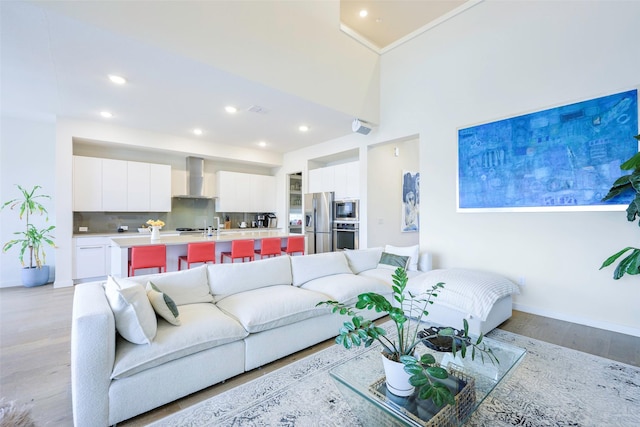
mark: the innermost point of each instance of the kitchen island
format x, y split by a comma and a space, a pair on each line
177, 246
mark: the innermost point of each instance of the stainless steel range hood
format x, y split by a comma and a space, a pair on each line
195, 179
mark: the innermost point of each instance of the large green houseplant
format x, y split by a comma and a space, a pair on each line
630, 183
425, 374
31, 238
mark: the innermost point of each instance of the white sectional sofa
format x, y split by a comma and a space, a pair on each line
232, 318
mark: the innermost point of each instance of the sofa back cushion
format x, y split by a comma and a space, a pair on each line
232, 278
185, 287
363, 259
309, 267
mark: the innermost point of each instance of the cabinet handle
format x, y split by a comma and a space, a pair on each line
91, 247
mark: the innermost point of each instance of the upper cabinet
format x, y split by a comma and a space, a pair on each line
342, 179
108, 185
244, 192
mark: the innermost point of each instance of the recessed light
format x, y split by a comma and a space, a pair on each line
230, 109
197, 131
363, 13
106, 114
303, 128
119, 80
262, 143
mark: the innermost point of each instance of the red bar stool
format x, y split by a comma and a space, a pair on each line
295, 244
240, 249
154, 256
198, 252
269, 247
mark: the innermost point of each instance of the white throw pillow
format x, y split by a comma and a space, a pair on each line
363, 259
413, 252
163, 305
189, 286
134, 315
392, 261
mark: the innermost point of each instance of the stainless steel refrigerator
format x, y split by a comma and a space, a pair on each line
318, 218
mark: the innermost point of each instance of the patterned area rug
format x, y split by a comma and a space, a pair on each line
553, 386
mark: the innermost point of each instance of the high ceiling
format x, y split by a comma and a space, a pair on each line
185, 61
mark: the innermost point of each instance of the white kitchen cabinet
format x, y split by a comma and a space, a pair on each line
243, 192
114, 185
87, 184
342, 179
91, 257
138, 186
315, 180
160, 188
108, 185
347, 181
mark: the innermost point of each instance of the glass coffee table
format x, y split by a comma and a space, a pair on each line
361, 381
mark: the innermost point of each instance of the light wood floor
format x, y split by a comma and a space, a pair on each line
35, 327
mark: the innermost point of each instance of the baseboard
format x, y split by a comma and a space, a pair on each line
615, 327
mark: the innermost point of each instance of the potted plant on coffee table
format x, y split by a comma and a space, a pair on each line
31, 238
421, 375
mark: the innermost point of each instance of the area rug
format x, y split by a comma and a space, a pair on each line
553, 386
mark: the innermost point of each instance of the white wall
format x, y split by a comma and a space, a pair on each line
501, 59
384, 198
26, 158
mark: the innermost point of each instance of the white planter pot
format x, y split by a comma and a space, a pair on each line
396, 378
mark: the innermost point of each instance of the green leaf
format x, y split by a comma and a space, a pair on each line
437, 372
427, 359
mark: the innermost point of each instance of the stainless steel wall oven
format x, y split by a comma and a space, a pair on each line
345, 235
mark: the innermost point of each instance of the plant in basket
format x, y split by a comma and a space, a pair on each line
422, 373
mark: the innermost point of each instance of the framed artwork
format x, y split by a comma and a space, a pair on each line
560, 159
410, 201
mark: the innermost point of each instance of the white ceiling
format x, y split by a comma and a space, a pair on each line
185, 61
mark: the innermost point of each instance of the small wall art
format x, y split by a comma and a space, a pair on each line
562, 158
410, 201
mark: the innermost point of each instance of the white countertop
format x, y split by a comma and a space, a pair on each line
140, 239
134, 233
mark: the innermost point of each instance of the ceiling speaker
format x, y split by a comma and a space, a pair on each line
358, 126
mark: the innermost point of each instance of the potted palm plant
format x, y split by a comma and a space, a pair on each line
630, 264
421, 374
31, 238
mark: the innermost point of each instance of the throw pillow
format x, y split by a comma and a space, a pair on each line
392, 261
163, 304
413, 252
134, 316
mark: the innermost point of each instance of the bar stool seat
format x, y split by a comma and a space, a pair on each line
197, 253
153, 256
269, 247
240, 249
295, 244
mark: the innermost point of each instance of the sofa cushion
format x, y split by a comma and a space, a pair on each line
345, 288
393, 262
413, 252
232, 278
133, 313
384, 275
267, 308
185, 287
203, 326
163, 305
363, 259
309, 267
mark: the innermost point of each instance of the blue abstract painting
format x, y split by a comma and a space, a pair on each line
563, 158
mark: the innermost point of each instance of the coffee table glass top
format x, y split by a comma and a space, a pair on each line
355, 376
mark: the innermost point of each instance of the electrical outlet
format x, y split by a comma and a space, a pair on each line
83, 229
522, 281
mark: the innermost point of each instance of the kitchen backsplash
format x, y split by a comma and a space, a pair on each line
190, 213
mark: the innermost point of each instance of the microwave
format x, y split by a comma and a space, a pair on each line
346, 210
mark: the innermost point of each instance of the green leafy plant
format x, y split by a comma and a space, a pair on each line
32, 238
630, 183
425, 373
